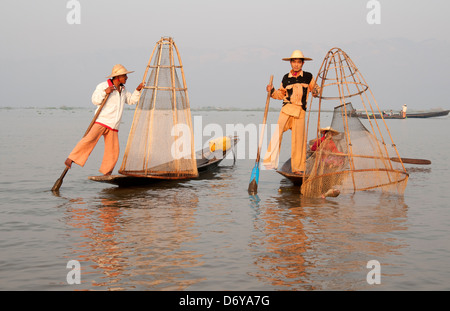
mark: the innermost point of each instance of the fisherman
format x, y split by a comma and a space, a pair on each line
330, 152
404, 108
294, 90
329, 155
327, 133
108, 121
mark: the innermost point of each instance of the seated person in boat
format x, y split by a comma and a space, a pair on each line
327, 147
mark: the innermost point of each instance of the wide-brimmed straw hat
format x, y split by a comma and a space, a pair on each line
297, 54
329, 129
118, 70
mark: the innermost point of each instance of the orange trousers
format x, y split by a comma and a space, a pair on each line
298, 146
83, 149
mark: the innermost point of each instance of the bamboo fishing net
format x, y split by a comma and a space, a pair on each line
161, 143
352, 157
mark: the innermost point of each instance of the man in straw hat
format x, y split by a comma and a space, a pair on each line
108, 121
294, 90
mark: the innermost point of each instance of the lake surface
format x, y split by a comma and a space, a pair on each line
208, 233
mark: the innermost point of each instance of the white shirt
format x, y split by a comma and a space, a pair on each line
111, 114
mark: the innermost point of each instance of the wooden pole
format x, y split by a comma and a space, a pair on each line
253, 186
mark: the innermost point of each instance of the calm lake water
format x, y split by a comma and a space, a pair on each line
208, 233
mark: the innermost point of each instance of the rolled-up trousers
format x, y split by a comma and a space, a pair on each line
83, 149
298, 146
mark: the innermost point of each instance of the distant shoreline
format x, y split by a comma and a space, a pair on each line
132, 108
200, 109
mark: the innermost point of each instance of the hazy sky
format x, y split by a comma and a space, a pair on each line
229, 48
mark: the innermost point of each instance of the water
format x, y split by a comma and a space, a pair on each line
209, 234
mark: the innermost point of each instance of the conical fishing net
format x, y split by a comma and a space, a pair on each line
161, 142
350, 157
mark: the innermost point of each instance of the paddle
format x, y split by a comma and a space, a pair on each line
253, 186
412, 161
59, 181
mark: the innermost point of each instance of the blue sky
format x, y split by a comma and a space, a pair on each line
229, 48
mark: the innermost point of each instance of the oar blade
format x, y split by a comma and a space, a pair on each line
253, 185
59, 182
57, 185
412, 161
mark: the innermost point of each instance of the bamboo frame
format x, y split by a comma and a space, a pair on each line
350, 83
188, 105
155, 64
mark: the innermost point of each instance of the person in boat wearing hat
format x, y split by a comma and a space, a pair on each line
108, 121
294, 90
327, 145
327, 133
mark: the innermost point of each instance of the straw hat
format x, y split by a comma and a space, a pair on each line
329, 129
297, 54
119, 70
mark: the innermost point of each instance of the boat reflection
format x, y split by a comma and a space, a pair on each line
325, 244
133, 239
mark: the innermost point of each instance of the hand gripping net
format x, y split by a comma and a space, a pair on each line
161, 143
352, 157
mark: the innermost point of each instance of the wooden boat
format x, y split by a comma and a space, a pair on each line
296, 179
207, 161
398, 115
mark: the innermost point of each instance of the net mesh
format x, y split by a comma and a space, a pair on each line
349, 156
161, 143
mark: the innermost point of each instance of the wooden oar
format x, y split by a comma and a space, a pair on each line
253, 186
404, 160
59, 181
412, 161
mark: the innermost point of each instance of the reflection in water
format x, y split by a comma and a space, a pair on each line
133, 239
197, 234
325, 244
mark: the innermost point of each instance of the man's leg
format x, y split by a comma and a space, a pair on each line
111, 153
298, 148
83, 149
271, 157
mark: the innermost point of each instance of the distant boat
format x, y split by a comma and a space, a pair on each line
398, 115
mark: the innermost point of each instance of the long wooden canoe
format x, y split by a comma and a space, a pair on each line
398, 115
207, 161
286, 171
